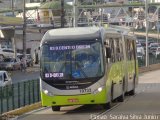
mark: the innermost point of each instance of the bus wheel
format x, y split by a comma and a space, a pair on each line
56, 108
107, 105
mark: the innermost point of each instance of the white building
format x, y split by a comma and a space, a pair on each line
154, 1
32, 42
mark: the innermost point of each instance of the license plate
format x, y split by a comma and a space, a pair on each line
73, 100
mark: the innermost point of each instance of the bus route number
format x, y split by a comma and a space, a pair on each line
86, 90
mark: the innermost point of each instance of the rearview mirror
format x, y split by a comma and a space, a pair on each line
108, 52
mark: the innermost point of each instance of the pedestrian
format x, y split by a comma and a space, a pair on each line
23, 64
52, 21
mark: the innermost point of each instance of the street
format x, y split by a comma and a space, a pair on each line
142, 106
30, 74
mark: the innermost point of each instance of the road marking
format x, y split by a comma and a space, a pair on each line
138, 91
115, 106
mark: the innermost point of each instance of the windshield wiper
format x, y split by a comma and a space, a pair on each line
81, 70
62, 67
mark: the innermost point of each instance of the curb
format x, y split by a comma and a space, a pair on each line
150, 68
20, 111
33, 70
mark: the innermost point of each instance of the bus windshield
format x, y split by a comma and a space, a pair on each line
72, 60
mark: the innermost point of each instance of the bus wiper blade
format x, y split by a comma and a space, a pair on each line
81, 70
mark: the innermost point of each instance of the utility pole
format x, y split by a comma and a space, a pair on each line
75, 12
62, 14
12, 7
146, 17
13, 38
132, 15
24, 28
101, 15
158, 25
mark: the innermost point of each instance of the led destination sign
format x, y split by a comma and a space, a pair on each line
72, 47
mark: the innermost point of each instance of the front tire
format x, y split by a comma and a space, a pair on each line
56, 108
107, 106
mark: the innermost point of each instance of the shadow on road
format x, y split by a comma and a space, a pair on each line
86, 109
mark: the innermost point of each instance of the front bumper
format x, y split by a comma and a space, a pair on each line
99, 98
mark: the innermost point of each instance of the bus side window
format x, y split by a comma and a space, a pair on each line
121, 49
108, 49
112, 45
108, 52
134, 53
128, 49
119, 52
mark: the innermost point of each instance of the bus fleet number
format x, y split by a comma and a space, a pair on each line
86, 90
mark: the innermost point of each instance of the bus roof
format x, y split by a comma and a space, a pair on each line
78, 33
71, 33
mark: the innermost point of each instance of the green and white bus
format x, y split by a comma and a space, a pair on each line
88, 65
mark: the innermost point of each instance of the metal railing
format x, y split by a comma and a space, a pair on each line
18, 95
152, 60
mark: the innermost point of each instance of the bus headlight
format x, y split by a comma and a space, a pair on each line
48, 93
98, 90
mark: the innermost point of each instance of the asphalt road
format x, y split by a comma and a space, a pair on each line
145, 105
30, 74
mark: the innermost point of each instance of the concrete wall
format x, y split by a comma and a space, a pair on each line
32, 41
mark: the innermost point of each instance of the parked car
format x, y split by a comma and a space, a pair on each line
140, 56
4, 78
153, 47
10, 64
140, 49
19, 55
157, 52
6, 53
142, 41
